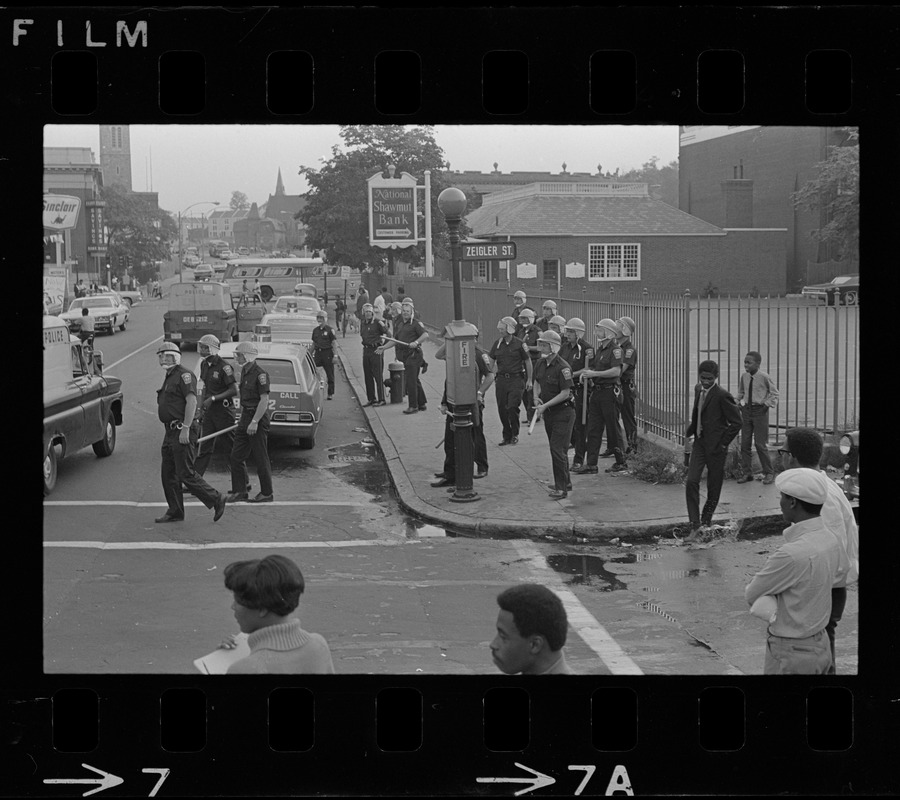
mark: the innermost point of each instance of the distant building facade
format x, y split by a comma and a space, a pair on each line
115, 156
258, 232
592, 235
284, 208
775, 162
220, 223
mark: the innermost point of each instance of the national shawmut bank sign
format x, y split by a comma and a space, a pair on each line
61, 211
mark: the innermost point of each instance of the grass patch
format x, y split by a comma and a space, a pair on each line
655, 464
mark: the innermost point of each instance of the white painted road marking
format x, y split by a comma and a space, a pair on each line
198, 504
582, 621
88, 545
134, 353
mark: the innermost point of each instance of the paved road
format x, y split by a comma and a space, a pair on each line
391, 595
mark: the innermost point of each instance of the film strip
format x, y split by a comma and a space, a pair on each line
486, 734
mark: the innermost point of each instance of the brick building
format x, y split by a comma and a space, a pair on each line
284, 208
775, 161
575, 235
258, 232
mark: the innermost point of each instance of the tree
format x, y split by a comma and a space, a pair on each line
137, 230
238, 201
834, 193
663, 180
336, 213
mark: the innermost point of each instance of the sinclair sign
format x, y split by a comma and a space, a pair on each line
393, 220
61, 211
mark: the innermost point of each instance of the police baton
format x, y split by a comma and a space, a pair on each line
217, 433
584, 400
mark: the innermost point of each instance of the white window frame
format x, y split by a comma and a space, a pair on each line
618, 253
480, 271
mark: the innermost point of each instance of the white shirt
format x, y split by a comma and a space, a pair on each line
378, 305
837, 514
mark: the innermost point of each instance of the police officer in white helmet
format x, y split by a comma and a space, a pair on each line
553, 402
513, 377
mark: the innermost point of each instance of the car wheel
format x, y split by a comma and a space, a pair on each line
122, 326
51, 469
829, 299
112, 329
107, 444
267, 293
307, 444
851, 298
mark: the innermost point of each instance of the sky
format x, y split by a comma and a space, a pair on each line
198, 163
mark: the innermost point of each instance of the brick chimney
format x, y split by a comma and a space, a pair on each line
737, 200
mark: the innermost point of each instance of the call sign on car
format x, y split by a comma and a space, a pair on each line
844, 289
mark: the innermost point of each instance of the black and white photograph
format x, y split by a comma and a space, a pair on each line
451, 399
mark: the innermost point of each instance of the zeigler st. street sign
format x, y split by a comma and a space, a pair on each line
489, 251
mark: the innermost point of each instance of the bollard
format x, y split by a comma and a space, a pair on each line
397, 371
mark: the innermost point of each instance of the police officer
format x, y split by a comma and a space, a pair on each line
629, 388
557, 324
554, 404
605, 369
177, 406
411, 333
577, 353
519, 303
371, 330
484, 377
394, 317
251, 436
528, 332
323, 338
219, 385
514, 376
548, 311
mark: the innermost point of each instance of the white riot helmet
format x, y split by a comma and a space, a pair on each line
628, 322
607, 329
549, 305
173, 352
576, 324
520, 295
551, 338
528, 314
211, 342
559, 321
368, 307
507, 325
248, 350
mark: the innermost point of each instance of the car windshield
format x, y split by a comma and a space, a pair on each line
842, 279
92, 302
288, 302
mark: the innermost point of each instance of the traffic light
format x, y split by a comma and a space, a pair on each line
129, 262
121, 262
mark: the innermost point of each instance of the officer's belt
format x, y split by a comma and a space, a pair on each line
177, 424
604, 385
370, 345
509, 374
322, 349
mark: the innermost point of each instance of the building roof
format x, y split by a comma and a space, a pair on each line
222, 213
482, 182
569, 209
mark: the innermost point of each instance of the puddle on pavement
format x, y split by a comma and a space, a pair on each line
354, 452
589, 570
655, 608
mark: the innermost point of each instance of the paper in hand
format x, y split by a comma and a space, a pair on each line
219, 660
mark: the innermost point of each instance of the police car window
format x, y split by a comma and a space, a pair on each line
279, 371
78, 368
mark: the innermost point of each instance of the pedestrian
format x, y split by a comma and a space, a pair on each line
372, 331
629, 386
531, 631
520, 302
554, 404
86, 331
755, 396
411, 333
115, 283
156, 289
362, 297
557, 324
252, 434
176, 408
605, 370
266, 592
484, 377
513, 377
548, 311
80, 290
803, 448
323, 338
382, 302
416, 315
715, 421
340, 319
94, 288
257, 291
577, 353
528, 332
799, 575
219, 386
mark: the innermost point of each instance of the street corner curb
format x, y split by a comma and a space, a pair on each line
768, 525
540, 529
633, 532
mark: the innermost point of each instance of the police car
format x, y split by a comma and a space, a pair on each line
295, 389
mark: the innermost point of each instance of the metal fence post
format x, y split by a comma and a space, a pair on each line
837, 358
686, 313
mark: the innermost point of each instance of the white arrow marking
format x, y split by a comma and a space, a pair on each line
539, 781
107, 780
403, 232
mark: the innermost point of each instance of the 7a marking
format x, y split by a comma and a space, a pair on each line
163, 773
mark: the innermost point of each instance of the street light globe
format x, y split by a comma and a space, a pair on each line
452, 202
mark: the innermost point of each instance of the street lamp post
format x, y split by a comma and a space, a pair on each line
460, 351
181, 238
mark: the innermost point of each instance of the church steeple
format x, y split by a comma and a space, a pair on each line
279, 186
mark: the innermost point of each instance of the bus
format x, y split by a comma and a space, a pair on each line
279, 276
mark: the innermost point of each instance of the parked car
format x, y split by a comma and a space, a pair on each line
243, 251
226, 254
305, 305
843, 289
82, 406
197, 308
107, 310
290, 326
190, 260
203, 272
296, 391
129, 296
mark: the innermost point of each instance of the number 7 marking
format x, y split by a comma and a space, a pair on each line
163, 774
589, 770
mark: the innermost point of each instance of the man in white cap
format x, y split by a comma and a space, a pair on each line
799, 575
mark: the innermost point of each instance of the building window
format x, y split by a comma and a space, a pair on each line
608, 262
550, 268
480, 271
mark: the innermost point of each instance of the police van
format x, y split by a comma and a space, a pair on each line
82, 406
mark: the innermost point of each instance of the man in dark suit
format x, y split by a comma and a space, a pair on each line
715, 421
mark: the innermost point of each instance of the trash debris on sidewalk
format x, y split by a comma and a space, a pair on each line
360, 430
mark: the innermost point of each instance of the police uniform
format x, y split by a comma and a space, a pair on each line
602, 413
530, 336
373, 363
323, 340
217, 376
629, 420
553, 374
483, 365
412, 359
178, 470
254, 384
577, 355
510, 359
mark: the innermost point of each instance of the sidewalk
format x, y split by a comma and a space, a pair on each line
514, 498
